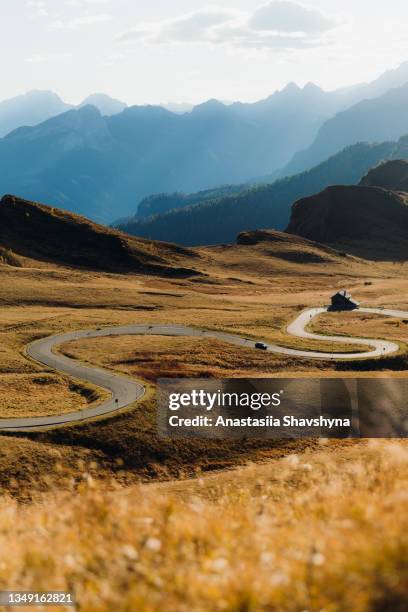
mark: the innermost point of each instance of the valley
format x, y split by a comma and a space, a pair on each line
124, 392
253, 289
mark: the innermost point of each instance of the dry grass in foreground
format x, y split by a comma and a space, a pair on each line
324, 531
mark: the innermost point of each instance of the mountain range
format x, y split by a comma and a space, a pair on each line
37, 106
102, 166
146, 149
382, 118
102, 161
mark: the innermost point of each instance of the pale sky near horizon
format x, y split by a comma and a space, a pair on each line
155, 51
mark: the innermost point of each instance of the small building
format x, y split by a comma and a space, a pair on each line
342, 300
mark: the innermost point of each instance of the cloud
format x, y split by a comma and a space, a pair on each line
44, 8
193, 27
90, 20
79, 22
38, 8
81, 3
280, 24
114, 58
288, 17
41, 59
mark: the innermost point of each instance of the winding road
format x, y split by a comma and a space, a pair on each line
124, 391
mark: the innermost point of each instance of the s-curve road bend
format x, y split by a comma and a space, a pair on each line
125, 391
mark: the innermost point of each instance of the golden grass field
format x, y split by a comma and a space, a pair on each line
136, 522
313, 531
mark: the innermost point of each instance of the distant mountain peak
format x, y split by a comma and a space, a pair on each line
148, 111
88, 110
312, 87
291, 88
402, 69
28, 109
105, 104
178, 107
41, 93
209, 106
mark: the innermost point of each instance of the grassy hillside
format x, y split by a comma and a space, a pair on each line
368, 221
69, 239
292, 248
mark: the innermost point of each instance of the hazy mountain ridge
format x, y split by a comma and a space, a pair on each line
377, 119
150, 150
68, 162
163, 202
101, 166
29, 109
35, 107
264, 206
106, 105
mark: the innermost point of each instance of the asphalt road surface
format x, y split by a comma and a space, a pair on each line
124, 391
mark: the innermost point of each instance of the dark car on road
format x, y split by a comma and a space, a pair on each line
261, 345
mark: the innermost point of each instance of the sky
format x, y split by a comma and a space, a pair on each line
158, 51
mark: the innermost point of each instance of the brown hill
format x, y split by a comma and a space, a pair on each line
289, 247
267, 255
389, 175
370, 222
43, 233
